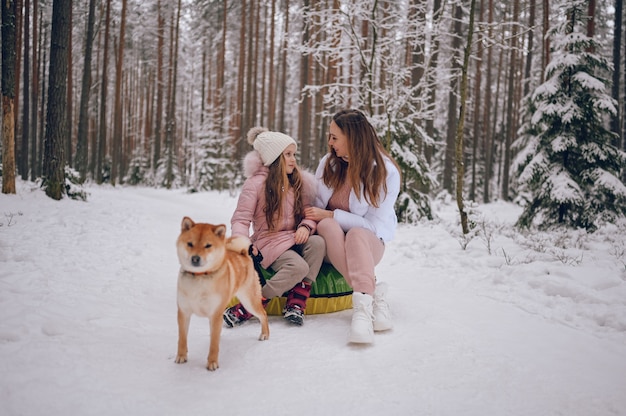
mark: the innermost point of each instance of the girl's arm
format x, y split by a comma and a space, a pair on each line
244, 213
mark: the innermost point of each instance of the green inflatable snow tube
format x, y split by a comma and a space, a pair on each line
329, 293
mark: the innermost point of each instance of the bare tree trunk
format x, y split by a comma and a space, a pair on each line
95, 136
382, 75
117, 140
264, 65
82, 140
8, 96
364, 72
314, 138
494, 137
148, 107
460, 170
417, 61
131, 106
24, 153
68, 140
253, 121
510, 125
102, 135
236, 132
158, 123
333, 62
34, 97
623, 121
477, 128
529, 49
205, 88
304, 120
546, 40
56, 116
247, 119
488, 142
16, 103
221, 70
283, 91
430, 84
170, 123
591, 21
271, 107
617, 73
452, 103
42, 101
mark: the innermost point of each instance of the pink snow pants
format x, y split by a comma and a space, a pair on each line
354, 254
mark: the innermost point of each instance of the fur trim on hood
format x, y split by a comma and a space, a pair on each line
253, 164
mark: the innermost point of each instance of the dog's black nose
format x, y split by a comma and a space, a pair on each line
195, 261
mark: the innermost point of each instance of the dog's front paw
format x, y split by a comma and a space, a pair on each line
212, 365
180, 359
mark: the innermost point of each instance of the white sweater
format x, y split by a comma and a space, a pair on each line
382, 220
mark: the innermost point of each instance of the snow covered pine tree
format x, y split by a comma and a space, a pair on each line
572, 172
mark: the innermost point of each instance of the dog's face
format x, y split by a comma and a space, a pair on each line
201, 247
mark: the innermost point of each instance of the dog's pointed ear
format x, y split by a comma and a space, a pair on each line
187, 224
220, 231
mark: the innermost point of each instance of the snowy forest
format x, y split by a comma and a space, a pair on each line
521, 100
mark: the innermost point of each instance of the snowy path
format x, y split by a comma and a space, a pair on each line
87, 299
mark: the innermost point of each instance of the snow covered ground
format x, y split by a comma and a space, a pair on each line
511, 325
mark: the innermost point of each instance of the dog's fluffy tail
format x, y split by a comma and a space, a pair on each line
238, 244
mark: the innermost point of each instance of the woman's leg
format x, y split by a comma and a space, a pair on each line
335, 238
353, 254
363, 252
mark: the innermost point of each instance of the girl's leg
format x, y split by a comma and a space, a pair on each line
313, 252
290, 269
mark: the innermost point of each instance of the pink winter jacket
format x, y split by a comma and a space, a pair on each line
250, 211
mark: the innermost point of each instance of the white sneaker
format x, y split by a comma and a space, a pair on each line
362, 328
382, 314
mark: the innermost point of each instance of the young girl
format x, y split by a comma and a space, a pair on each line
358, 184
273, 199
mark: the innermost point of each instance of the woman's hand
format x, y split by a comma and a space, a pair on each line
317, 214
302, 234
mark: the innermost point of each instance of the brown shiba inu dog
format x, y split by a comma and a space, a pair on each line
213, 270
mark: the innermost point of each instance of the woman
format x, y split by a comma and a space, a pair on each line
273, 199
358, 184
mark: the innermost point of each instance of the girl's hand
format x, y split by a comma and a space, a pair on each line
317, 214
302, 235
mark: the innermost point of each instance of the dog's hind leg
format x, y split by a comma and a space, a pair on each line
214, 348
255, 307
183, 329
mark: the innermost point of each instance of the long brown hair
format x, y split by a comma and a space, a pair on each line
366, 153
276, 186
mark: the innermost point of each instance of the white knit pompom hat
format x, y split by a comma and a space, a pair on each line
269, 144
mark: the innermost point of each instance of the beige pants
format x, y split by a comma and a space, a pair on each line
291, 267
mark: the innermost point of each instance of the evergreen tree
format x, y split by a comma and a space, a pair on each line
214, 169
572, 172
139, 169
413, 202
